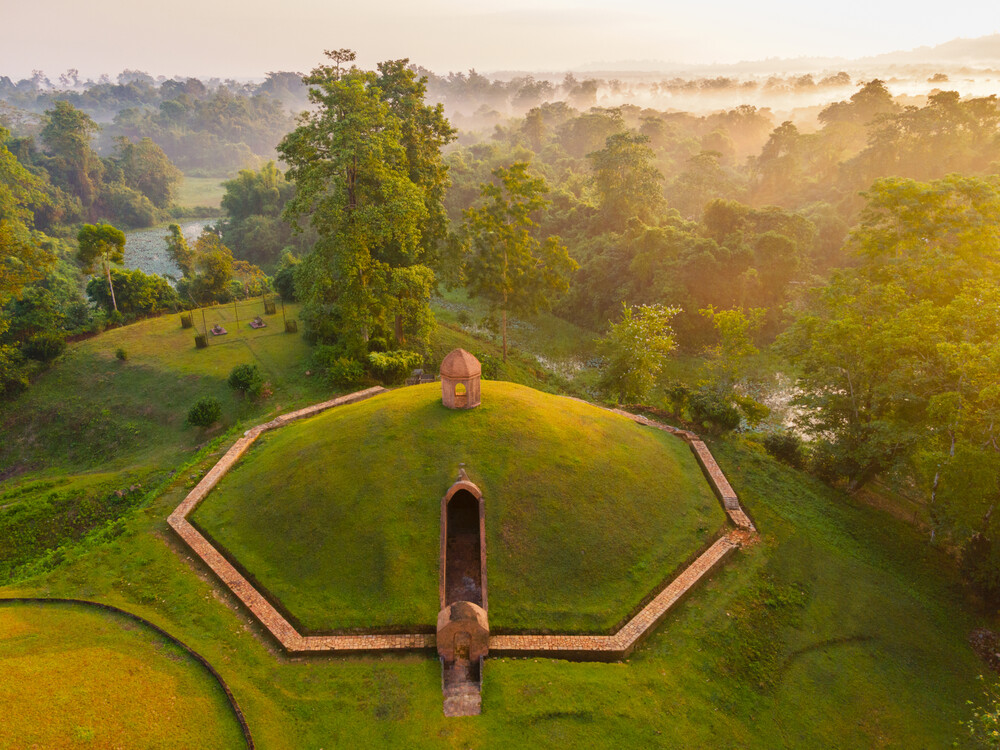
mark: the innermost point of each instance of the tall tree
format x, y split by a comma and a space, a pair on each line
367, 172
101, 244
21, 258
505, 262
625, 179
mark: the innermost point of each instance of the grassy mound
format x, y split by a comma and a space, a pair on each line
586, 512
73, 676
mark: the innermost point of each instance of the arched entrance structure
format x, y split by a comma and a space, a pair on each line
463, 630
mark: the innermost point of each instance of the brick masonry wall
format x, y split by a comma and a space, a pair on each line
615, 646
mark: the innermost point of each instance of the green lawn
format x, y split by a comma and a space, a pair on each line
79, 677
338, 516
841, 629
200, 191
93, 411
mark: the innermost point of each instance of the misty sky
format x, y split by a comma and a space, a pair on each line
248, 38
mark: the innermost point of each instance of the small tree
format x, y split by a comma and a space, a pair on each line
246, 379
179, 251
104, 244
505, 262
637, 348
205, 412
736, 329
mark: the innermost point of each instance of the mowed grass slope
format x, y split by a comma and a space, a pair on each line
93, 410
586, 512
79, 677
839, 630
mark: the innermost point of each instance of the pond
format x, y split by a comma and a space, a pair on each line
146, 249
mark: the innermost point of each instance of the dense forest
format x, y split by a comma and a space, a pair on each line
857, 245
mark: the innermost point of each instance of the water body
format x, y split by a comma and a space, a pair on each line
146, 249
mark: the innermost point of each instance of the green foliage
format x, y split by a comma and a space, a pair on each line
205, 412
637, 347
213, 271
120, 354
102, 244
393, 366
373, 199
200, 341
735, 329
246, 379
137, 294
146, 169
179, 251
984, 726
504, 261
339, 370
785, 446
45, 346
42, 520
627, 183
187, 320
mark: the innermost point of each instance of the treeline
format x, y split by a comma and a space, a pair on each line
205, 127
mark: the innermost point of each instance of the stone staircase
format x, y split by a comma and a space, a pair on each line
461, 685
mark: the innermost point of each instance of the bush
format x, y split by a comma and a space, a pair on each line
269, 308
980, 570
200, 341
205, 412
45, 346
186, 320
491, 366
786, 447
121, 353
246, 379
709, 407
344, 372
393, 367
291, 326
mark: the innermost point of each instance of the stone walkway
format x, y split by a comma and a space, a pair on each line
613, 646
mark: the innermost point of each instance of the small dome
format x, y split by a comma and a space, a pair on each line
459, 364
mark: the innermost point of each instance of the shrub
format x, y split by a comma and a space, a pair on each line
121, 353
979, 568
205, 412
786, 447
246, 379
44, 346
269, 308
709, 407
344, 372
200, 341
753, 411
491, 366
291, 326
393, 367
463, 318
186, 320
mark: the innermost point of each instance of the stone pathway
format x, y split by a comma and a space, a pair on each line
614, 646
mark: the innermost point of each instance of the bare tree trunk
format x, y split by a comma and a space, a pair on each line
107, 272
505, 336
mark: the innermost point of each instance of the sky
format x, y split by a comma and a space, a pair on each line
247, 39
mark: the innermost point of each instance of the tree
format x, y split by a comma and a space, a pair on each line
21, 258
367, 173
625, 179
637, 347
103, 244
66, 133
147, 169
179, 251
736, 329
213, 266
505, 262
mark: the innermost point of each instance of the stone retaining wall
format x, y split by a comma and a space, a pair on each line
606, 647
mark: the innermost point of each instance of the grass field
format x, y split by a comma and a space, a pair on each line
842, 628
587, 512
77, 677
200, 191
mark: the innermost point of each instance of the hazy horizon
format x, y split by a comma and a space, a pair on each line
246, 41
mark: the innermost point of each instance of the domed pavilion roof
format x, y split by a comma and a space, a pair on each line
459, 365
